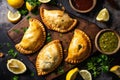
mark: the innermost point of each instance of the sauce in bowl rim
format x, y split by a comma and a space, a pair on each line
98, 36
82, 11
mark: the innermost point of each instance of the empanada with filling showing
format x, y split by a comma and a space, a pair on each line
49, 58
57, 20
79, 48
33, 39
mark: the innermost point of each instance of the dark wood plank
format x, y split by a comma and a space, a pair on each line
89, 28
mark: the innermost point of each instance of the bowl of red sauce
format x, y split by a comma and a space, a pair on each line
82, 6
107, 41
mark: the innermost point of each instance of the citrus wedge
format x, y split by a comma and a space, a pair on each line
13, 17
103, 15
86, 75
44, 1
29, 6
16, 66
116, 70
71, 75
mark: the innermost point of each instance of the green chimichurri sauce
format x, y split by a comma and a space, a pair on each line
108, 41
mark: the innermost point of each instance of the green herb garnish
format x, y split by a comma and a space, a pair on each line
34, 2
15, 78
23, 11
8, 44
60, 70
98, 64
25, 29
28, 17
49, 37
12, 53
16, 31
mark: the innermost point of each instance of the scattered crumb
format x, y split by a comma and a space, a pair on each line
1, 54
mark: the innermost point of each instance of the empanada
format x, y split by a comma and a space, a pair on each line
57, 20
49, 57
79, 48
33, 38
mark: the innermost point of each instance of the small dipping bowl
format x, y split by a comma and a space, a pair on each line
107, 41
82, 6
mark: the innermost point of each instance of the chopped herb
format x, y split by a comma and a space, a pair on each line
15, 78
15, 30
98, 64
8, 44
12, 53
25, 29
34, 2
60, 70
49, 37
28, 17
23, 11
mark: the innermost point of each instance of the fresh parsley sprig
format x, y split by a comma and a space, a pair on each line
34, 2
15, 78
98, 64
12, 53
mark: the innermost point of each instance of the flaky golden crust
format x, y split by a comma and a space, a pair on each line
80, 47
49, 58
58, 20
33, 38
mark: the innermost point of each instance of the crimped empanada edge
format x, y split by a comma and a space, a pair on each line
53, 28
24, 51
74, 61
39, 70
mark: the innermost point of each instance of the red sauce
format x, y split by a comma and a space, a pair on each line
82, 4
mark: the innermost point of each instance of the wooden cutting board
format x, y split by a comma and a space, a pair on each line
91, 29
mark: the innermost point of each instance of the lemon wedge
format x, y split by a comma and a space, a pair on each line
86, 75
16, 66
29, 6
13, 17
116, 70
15, 3
71, 75
44, 1
103, 15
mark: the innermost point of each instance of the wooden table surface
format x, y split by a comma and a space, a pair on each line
5, 25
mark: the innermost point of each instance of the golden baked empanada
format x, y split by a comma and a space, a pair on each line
33, 38
79, 48
57, 20
49, 57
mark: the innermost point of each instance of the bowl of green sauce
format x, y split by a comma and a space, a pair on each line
107, 41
